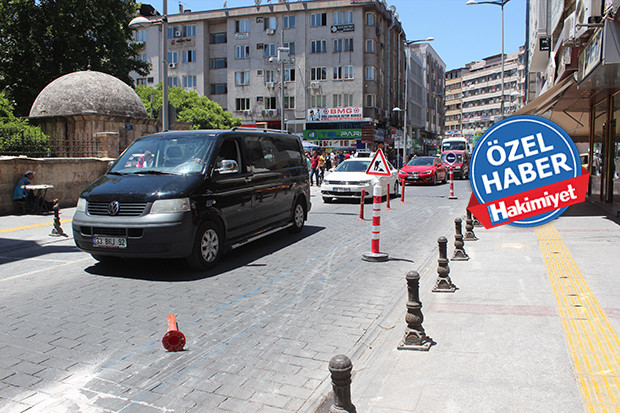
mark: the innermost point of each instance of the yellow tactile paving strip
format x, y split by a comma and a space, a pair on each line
45, 224
592, 341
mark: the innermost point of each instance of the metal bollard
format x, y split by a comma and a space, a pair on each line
415, 337
57, 230
361, 218
443, 284
374, 254
452, 196
476, 222
402, 192
340, 367
173, 340
469, 228
459, 250
387, 197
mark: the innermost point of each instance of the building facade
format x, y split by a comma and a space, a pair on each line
341, 62
454, 112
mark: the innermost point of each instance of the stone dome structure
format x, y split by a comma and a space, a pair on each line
88, 92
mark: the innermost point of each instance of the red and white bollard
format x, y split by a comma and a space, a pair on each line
374, 254
173, 340
361, 218
452, 185
402, 192
387, 197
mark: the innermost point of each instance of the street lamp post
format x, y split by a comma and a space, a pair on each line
500, 3
142, 21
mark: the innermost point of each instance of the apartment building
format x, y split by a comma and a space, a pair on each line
454, 113
481, 91
341, 63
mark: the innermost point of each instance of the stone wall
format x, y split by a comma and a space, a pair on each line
68, 175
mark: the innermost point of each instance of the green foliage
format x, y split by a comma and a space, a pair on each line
198, 110
17, 136
46, 39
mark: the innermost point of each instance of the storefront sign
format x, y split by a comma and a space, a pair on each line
337, 28
591, 55
332, 114
314, 134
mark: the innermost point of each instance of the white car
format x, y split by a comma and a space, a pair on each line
349, 178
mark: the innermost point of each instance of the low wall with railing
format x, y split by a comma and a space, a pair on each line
68, 175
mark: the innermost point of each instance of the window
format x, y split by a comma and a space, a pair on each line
337, 101
370, 19
242, 26
291, 46
242, 104
318, 19
337, 45
371, 73
370, 46
219, 88
217, 38
348, 100
345, 100
371, 100
242, 78
271, 23
289, 75
189, 30
343, 17
189, 56
218, 63
173, 81
189, 81
348, 45
318, 46
270, 102
289, 102
142, 58
318, 73
141, 81
140, 36
269, 49
242, 52
270, 76
173, 57
343, 72
289, 22
319, 101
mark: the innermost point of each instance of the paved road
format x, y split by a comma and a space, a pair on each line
77, 335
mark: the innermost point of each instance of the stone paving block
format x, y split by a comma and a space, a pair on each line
22, 380
270, 399
236, 405
28, 368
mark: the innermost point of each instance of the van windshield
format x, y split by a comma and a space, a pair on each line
185, 153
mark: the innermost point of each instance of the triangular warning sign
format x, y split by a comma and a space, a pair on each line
378, 165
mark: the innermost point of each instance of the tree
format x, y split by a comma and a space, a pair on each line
198, 110
17, 136
43, 40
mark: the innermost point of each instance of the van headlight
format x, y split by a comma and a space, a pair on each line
81, 205
167, 206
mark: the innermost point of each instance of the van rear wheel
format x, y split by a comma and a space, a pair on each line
207, 248
299, 217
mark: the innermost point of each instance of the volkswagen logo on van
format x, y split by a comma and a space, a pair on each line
113, 208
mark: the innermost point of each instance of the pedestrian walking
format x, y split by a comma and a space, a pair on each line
314, 168
322, 160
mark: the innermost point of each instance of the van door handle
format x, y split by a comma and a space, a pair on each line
248, 179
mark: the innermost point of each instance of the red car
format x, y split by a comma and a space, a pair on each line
427, 169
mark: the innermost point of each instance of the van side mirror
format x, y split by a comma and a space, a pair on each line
228, 166
109, 166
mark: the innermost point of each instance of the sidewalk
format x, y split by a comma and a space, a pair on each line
530, 328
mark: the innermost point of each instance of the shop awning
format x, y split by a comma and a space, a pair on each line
566, 105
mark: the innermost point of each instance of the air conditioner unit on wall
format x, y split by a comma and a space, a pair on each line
270, 85
568, 31
586, 12
172, 65
247, 112
270, 31
314, 85
177, 33
272, 112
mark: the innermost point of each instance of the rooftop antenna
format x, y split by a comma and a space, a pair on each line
257, 2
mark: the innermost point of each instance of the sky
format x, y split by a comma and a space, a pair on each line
462, 33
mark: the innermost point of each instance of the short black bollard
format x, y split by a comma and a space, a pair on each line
469, 228
415, 337
340, 367
476, 222
443, 283
459, 251
57, 230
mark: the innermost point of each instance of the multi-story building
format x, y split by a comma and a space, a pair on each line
343, 63
454, 113
481, 92
573, 67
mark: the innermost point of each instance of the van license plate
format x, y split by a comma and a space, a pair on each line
109, 242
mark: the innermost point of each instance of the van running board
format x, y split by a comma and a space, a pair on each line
264, 234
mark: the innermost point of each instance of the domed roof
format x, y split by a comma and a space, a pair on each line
88, 92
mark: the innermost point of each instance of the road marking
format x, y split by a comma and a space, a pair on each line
592, 342
62, 221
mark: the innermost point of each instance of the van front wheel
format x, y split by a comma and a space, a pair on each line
207, 248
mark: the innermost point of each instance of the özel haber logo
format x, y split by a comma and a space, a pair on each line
525, 171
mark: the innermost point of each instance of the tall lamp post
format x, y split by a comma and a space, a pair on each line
406, 109
500, 3
142, 21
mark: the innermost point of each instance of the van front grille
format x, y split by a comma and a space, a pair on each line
126, 209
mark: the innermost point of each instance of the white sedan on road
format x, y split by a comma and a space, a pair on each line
349, 178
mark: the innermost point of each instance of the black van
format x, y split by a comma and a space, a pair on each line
194, 194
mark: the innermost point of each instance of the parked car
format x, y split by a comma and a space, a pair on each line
460, 168
426, 169
202, 193
349, 178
